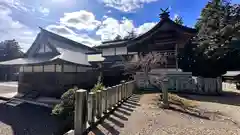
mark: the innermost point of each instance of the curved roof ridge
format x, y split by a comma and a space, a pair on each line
160, 23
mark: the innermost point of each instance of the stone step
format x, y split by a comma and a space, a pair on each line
14, 102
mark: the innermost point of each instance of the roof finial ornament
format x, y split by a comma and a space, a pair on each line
164, 14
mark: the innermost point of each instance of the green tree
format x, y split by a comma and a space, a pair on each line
10, 49
214, 49
218, 27
178, 20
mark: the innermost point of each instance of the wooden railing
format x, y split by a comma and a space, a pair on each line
92, 107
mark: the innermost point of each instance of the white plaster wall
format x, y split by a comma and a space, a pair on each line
69, 68
27, 69
83, 69
21, 69
37, 68
58, 68
108, 52
121, 50
49, 68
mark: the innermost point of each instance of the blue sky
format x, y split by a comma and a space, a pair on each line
89, 21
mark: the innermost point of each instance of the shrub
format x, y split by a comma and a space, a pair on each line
65, 108
98, 86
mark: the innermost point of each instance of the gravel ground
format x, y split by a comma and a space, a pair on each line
27, 119
141, 116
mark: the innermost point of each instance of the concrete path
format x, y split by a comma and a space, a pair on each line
142, 116
8, 89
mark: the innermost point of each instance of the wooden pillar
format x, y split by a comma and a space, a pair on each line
176, 56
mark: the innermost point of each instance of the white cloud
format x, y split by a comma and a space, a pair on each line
126, 5
68, 33
111, 27
105, 17
126, 26
175, 16
11, 29
80, 20
145, 27
44, 10
24, 8
17, 4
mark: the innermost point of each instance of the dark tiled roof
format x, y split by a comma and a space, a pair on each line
66, 40
146, 35
155, 29
117, 43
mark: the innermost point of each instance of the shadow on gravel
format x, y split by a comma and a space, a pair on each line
229, 98
27, 119
116, 120
194, 114
110, 128
122, 117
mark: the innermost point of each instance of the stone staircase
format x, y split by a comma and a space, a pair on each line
14, 102
19, 99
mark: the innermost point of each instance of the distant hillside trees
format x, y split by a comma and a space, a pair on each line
9, 49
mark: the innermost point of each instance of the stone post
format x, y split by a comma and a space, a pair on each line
127, 90
91, 108
124, 91
117, 94
120, 93
130, 89
114, 96
80, 114
99, 104
105, 100
165, 93
109, 98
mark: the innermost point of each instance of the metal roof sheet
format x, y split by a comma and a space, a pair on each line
25, 61
232, 73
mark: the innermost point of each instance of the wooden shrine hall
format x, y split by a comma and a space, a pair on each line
167, 37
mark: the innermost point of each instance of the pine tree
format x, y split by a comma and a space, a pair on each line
218, 29
178, 20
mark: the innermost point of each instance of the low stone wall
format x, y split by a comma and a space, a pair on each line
229, 86
183, 82
208, 85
